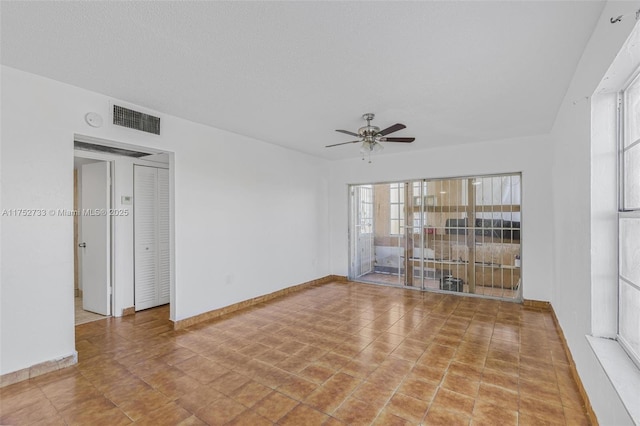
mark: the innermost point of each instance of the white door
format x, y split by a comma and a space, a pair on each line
95, 245
151, 236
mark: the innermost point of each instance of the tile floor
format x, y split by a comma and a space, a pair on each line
394, 279
82, 316
333, 354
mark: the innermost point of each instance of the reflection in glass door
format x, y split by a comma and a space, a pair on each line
457, 235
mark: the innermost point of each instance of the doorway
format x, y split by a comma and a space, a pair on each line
120, 259
92, 239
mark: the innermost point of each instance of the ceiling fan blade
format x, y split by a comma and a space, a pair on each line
407, 140
347, 132
392, 129
343, 143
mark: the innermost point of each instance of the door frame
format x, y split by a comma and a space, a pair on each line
121, 289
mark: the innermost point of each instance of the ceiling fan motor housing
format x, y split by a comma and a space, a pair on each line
368, 131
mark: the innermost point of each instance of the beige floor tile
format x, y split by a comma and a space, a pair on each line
340, 353
274, 406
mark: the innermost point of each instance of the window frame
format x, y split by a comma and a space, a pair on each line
625, 213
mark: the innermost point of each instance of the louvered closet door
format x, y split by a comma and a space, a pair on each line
151, 236
163, 236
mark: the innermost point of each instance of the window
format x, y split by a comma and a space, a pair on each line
396, 206
629, 221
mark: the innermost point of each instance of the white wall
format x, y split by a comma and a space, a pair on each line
123, 250
250, 218
528, 155
572, 296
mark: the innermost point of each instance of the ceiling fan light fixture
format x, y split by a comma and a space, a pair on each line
364, 148
369, 147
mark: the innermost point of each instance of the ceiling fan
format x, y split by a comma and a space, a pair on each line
371, 136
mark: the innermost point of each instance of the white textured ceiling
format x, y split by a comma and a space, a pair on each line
289, 73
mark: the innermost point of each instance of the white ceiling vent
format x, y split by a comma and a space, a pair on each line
136, 120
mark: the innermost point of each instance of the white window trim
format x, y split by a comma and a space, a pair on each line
623, 374
621, 371
623, 212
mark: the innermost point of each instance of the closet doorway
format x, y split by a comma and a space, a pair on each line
151, 236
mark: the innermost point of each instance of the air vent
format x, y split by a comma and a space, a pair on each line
136, 120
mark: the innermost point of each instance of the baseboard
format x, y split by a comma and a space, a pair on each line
539, 304
574, 371
216, 313
38, 370
337, 278
128, 311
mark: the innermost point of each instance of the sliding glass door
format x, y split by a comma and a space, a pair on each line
454, 235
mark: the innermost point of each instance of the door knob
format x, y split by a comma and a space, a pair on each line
82, 245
